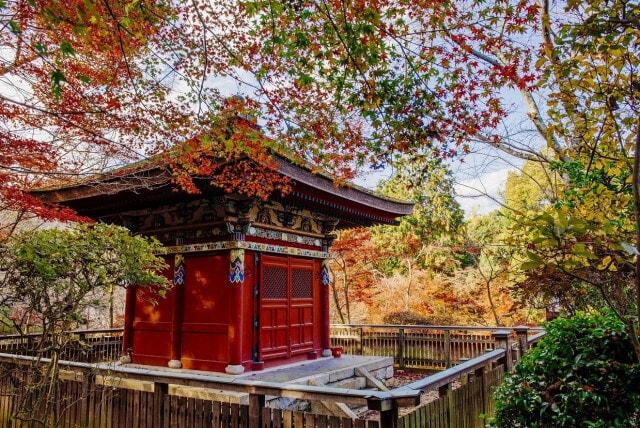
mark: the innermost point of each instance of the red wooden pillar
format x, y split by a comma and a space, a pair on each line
176, 318
129, 314
236, 279
326, 335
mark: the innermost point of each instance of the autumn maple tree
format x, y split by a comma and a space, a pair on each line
67, 100
443, 77
89, 86
340, 85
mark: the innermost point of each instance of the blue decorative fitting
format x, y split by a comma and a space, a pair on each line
325, 276
236, 267
178, 270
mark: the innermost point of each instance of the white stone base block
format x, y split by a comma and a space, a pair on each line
326, 353
234, 369
175, 364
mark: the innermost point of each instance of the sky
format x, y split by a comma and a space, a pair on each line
474, 203
471, 183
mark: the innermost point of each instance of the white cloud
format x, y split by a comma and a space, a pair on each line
476, 193
480, 194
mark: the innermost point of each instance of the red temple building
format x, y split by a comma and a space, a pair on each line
250, 280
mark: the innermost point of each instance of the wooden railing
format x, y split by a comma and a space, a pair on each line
92, 395
413, 347
465, 392
418, 346
82, 345
110, 395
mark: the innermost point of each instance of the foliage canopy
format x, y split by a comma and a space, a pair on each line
52, 276
583, 373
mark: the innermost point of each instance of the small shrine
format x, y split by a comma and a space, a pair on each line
251, 284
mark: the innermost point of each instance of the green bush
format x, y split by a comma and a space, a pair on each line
583, 373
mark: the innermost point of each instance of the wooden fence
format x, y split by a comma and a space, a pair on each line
418, 346
466, 406
110, 395
413, 347
465, 392
89, 346
85, 403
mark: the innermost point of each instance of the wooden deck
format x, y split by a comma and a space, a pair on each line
343, 372
329, 368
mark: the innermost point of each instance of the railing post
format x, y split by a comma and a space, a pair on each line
82, 341
501, 338
447, 348
401, 345
522, 333
159, 392
256, 403
88, 386
361, 345
478, 376
444, 392
388, 414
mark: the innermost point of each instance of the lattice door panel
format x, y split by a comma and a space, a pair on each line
275, 282
301, 283
274, 308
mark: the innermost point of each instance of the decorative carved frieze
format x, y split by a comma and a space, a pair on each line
283, 236
229, 216
247, 245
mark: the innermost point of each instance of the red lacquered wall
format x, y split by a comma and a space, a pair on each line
206, 312
151, 325
215, 323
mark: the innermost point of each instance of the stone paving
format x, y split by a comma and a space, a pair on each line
313, 368
328, 371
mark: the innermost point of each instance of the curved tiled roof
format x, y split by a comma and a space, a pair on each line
153, 173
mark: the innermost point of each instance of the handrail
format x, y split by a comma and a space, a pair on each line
447, 376
382, 401
84, 331
375, 400
536, 338
433, 327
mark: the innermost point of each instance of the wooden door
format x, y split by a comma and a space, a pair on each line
274, 308
301, 306
286, 307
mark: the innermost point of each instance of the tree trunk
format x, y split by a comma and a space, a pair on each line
336, 300
493, 306
345, 291
632, 325
409, 281
111, 307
